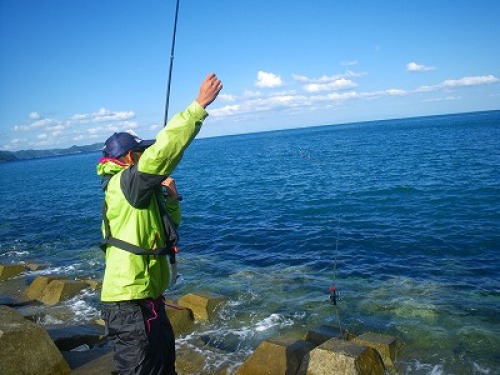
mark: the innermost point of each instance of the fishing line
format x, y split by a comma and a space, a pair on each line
172, 50
334, 296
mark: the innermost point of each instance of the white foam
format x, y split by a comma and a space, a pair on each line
480, 369
83, 306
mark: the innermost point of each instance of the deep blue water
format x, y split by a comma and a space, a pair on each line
403, 216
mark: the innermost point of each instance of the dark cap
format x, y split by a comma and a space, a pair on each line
120, 143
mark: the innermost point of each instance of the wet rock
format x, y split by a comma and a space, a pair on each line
97, 361
68, 337
203, 305
280, 355
93, 284
10, 270
36, 267
60, 290
37, 287
26, 348
13, 301
181, 318
341, 357
386, 346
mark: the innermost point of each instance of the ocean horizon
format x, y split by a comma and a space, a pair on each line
402, 216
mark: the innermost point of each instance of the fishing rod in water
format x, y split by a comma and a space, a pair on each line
172, 50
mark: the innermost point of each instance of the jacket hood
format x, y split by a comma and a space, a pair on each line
110, 166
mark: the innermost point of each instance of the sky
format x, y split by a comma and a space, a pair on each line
72, 72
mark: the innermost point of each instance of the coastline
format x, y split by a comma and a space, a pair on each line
83, 349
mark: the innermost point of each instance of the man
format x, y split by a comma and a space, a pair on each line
138, 234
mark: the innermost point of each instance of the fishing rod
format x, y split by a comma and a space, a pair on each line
172, 50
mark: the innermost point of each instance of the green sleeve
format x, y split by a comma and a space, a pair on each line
163, 156
174, 211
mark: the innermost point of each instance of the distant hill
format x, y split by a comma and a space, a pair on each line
35, 154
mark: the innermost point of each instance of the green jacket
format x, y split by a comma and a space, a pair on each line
133, 212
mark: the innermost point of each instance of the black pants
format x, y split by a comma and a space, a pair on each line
143, 338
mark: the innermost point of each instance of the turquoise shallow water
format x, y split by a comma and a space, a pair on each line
403, 216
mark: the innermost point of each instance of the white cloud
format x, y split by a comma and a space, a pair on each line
326, 78
265, 79
302, 94
462, 82
339, 84
470, 81
103, 115
414, 67
226, 97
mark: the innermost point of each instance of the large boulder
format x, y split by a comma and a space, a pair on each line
68, 337
278, 356
181, 318
386, 346
53, 289
10, 270
26, 348
203, 305
342, 357
37, 287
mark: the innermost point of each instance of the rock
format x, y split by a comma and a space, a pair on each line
386, 346
10, 270
36, 267
322, 333
59, 290
341, 357
203, 305
181, 318
68, 337
93, 284
92, 362
37, 287
280, 355
13, 301
26, 348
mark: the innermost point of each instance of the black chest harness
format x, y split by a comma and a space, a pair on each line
171, 235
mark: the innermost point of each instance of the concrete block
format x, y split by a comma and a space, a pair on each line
278, 356
37, 287
36, 267
181, 318
59, 290
26, 348
10, 270
341, 357
203, 305
386, 346
68, 337
322, 333
93, 284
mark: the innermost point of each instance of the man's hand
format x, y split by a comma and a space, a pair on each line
209, 90
169, 183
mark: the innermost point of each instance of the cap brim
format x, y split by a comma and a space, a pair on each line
145, 143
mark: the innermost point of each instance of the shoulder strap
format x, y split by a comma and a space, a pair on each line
124, 245
171, 236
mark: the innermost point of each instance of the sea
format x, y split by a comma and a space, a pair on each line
401, 217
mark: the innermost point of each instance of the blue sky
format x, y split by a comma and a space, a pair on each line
75, 71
